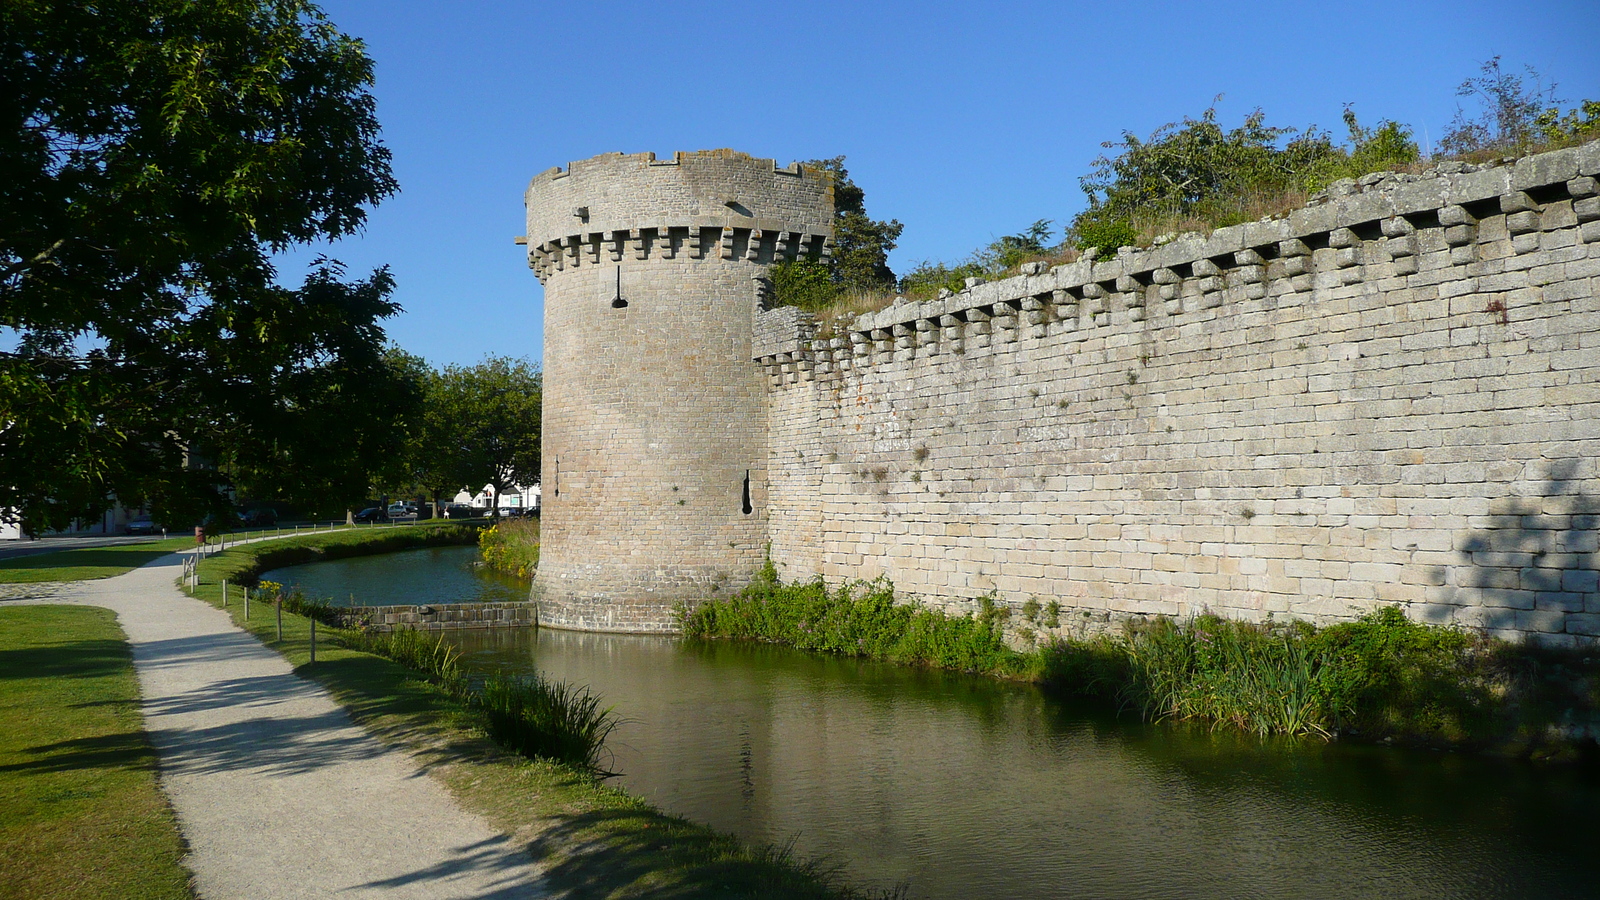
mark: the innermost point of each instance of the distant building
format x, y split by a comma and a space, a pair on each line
515, 497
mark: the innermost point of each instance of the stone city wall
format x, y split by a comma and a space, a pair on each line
1389, 396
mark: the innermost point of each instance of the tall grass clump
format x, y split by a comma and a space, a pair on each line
1380, 676
528, 714
1269, 679
538, 717
511, 546
429, 654
295, 601
859, 619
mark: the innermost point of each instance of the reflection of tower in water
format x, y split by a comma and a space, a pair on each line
747, 756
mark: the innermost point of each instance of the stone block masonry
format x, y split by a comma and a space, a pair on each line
654, 419
1389, 396
439, 616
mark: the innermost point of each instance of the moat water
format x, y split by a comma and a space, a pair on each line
965, 787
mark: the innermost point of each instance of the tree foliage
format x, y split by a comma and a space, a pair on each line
1004, 253
479, 425
153, 154
1515, 114
1201, 171
861, 245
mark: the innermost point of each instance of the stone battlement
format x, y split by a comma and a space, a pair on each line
719, 202
1387, 219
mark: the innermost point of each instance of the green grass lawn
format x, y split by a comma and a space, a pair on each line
86, 563
80, 813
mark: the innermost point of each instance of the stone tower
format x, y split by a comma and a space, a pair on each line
654, 427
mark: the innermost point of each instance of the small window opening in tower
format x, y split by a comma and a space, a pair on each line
748, 509
555, 479
617, 302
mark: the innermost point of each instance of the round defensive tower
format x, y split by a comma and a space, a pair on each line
654, 430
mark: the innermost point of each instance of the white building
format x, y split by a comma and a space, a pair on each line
515, 497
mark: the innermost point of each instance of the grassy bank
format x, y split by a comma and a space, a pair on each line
861, 620
511, 546
80, 813
1382, 677
86, 563
591, 840
242, 565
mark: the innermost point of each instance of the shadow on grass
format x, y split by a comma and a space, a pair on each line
497, 855
75, 659
106, 558
113, 751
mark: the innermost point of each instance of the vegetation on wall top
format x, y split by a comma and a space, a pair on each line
1199, 175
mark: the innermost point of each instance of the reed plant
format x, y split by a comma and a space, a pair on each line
538, 717
1267, 678
528, 714
429, 654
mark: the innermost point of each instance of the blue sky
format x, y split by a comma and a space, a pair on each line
963, 121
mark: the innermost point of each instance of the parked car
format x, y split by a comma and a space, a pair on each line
402, 508
371, 514
142, 525
261, 516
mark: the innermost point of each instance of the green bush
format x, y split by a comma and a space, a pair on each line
860, 619
806, 283
511, 546
295, 601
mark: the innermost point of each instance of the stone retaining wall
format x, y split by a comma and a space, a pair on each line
437, 616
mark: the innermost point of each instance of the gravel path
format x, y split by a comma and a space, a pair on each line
277, 792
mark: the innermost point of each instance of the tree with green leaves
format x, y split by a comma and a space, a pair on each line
481, 425
861, 245
153, 155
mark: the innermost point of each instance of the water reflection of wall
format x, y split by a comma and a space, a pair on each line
970, 788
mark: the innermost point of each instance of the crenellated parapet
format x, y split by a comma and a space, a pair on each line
706, 204
1384, 226
654, 434
1388, 397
